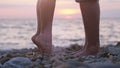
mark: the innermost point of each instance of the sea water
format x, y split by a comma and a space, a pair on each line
17, 33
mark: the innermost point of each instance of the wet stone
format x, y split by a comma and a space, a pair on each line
4, 59
0, 65
18, 62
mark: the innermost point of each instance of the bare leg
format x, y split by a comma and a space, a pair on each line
91, 17
43, 36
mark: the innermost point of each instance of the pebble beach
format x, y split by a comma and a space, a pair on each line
108, 57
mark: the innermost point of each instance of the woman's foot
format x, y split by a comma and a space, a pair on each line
86, 51
44, 44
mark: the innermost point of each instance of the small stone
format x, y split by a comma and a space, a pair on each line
106, 66
102, 61
117, 58
4, 59
81, 59
37, 64
69, 57
0, 65
73, 64
57, 63
18, 62
109, 50
47, 66
9, 55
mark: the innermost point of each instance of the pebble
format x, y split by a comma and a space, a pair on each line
18, 62
73, 64
5, 58
0, 65
106, 66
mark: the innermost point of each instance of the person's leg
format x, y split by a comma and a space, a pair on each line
43, 36
91, 16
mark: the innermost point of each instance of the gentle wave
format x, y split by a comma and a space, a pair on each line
16, 33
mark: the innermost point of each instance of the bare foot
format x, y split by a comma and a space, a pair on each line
79, 50
44, 45
87, 51
33, 40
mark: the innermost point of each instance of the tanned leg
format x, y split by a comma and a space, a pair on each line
91, 16
43, 36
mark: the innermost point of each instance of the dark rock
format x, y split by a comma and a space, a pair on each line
56, 62
18, 62
4, 59
69, 57
48, 66
0, 65
38, 64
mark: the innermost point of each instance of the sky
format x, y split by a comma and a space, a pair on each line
64, 9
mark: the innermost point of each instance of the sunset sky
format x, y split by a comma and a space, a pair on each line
64, 9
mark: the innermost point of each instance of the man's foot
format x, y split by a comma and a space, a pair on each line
87, 51
43, 44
